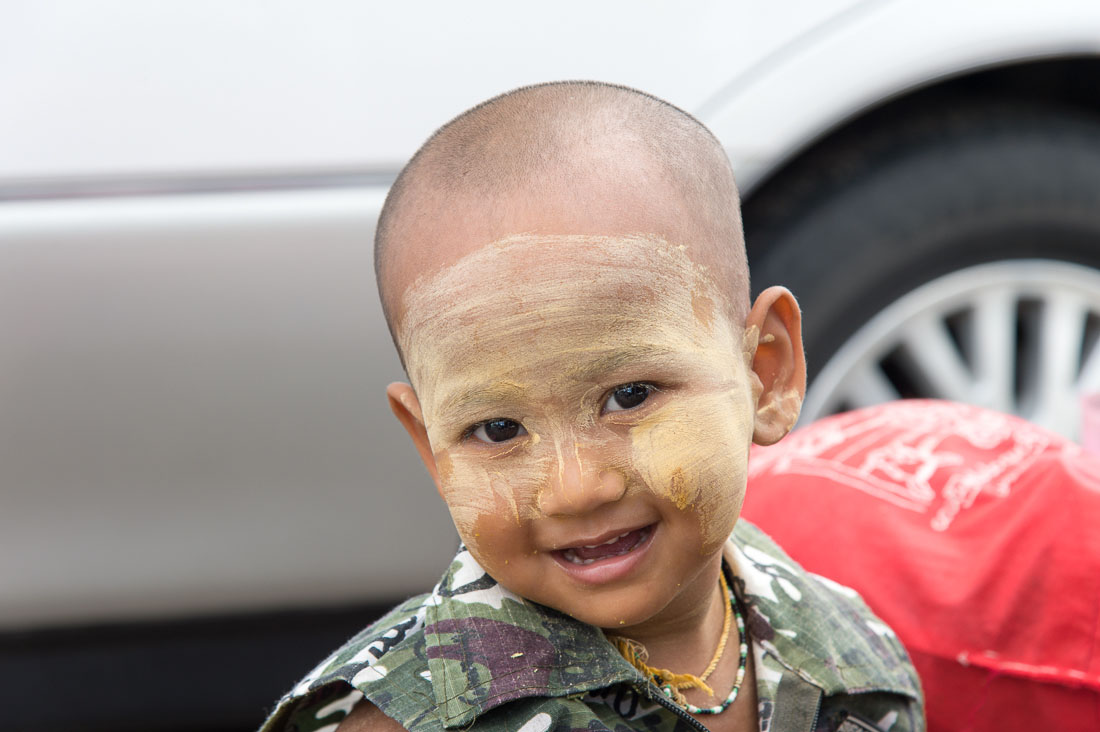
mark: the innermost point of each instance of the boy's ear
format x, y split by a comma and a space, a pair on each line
779, 365
406, 407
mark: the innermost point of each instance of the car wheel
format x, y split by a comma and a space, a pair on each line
952, 257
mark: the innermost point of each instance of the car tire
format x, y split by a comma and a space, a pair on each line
894, 243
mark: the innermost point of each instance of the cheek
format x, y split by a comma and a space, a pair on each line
487, 497
695, 454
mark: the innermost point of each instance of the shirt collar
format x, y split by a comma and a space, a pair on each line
487, 646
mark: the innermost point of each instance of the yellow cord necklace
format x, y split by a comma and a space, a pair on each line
674, 684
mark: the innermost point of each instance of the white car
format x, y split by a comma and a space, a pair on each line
202, 486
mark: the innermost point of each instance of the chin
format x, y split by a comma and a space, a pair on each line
625, 615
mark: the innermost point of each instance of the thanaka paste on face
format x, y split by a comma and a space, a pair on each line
531, 328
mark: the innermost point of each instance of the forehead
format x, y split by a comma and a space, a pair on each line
525, 303
603, 199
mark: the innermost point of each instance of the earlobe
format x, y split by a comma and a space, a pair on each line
406, 407
778, 364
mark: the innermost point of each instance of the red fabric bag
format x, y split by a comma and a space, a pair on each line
974, 534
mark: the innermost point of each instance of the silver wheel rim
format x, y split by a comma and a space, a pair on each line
1016, 336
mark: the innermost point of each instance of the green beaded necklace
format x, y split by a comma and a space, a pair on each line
719, 708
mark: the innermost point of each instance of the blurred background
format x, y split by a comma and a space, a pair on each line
200, 482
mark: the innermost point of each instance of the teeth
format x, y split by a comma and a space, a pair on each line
572, 557
571, 554
609, 541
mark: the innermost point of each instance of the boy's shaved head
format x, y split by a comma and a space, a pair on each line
562, 158
564, 273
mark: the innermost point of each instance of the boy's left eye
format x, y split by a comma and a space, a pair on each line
497, 430
627, 396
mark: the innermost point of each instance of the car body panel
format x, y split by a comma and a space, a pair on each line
192, 379
284, 86
872, 53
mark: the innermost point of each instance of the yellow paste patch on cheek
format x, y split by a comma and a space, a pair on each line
535, 334
695, 453
482, 486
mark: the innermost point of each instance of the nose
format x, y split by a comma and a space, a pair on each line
580, 483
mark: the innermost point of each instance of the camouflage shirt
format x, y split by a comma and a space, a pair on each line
472, 655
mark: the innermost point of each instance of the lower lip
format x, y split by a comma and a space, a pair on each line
610, 569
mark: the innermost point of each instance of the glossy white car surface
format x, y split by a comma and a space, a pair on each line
192, 417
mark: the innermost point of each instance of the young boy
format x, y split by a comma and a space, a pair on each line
563, 271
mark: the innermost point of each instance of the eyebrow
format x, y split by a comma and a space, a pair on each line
456, 406
622, 357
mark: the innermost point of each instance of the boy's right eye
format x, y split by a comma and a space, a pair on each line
498, 430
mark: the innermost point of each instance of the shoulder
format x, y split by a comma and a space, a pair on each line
819, 630
799, 605
392, 646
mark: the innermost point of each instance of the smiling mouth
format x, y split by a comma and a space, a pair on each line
614, 547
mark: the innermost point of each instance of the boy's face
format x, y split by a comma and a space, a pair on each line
586, 406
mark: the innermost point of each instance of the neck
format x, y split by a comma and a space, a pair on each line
684, 636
